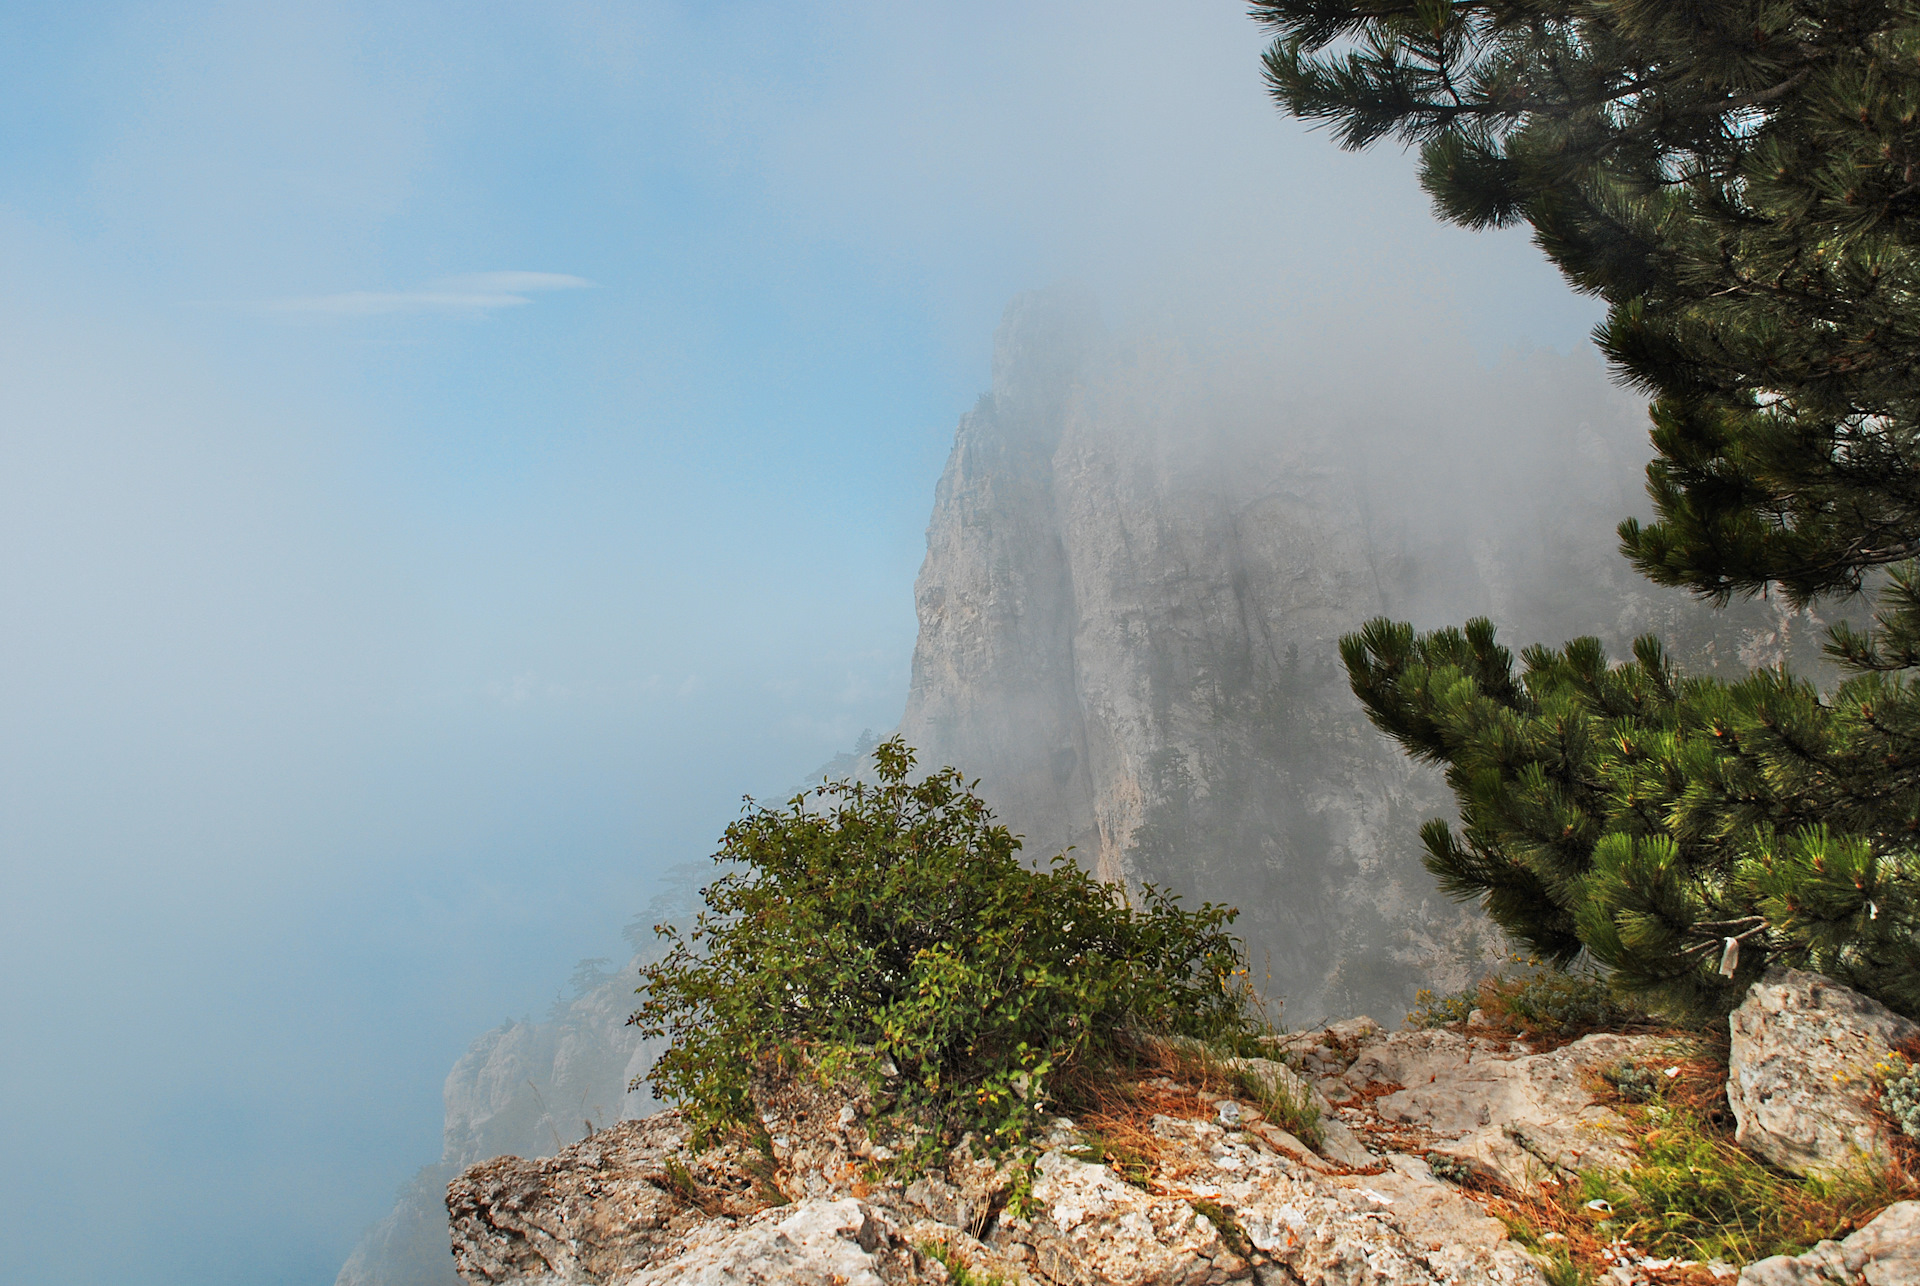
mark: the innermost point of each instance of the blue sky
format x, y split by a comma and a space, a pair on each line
450, 453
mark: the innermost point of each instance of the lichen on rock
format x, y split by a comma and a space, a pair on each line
1805, 1072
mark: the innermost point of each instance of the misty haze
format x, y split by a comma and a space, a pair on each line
448, 459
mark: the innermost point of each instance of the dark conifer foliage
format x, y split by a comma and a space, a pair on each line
1740, 181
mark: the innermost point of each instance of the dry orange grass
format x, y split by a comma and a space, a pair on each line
1114, 1105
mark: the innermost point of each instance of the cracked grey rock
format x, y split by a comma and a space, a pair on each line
815, 1243
1514, 1116
1805, 1071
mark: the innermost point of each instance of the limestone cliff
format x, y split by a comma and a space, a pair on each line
1141, 557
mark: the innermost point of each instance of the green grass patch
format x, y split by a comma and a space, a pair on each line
1694, 1194
959, 1273
1287, 1101
1129, 1160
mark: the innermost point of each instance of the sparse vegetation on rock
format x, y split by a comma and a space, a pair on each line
1453, 1153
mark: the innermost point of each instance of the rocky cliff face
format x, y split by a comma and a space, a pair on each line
1141, 558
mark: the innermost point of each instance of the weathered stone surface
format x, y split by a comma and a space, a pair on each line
631, 1206
1338, 1144
1096, 1228
1801, 1072
1884, 1253
817, 1131
606, 1207
1397, 1228
815, 1243
1229, 1198
1512, 1115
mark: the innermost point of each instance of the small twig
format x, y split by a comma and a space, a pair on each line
1716, 926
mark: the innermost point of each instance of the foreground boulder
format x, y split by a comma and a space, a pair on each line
1804, 1072
1495, 1109
815, 1243
1884, 1253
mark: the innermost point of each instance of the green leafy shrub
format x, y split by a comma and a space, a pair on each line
1433, 1010
889, 932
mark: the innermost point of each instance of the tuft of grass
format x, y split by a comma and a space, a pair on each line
1120, 1150
958, 1271
1113, 1101
1694, 1194
1203, 1066
1292, 1109
679, 1180
1557, 1263
760, 1164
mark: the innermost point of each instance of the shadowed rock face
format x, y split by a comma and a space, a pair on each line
1140, 561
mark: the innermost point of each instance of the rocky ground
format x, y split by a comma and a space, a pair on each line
1425, 1137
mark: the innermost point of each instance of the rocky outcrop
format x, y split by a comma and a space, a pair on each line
1805, 1072
1141, 556
1416, 1130
816, 1243
634, 1205
1519, 1119
1884, 1253
603, 1209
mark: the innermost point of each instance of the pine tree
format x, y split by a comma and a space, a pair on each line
1740, 181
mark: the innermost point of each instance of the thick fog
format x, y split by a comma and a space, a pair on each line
449, 455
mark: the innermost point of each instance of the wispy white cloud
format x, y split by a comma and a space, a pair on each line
471, 293
513, 282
